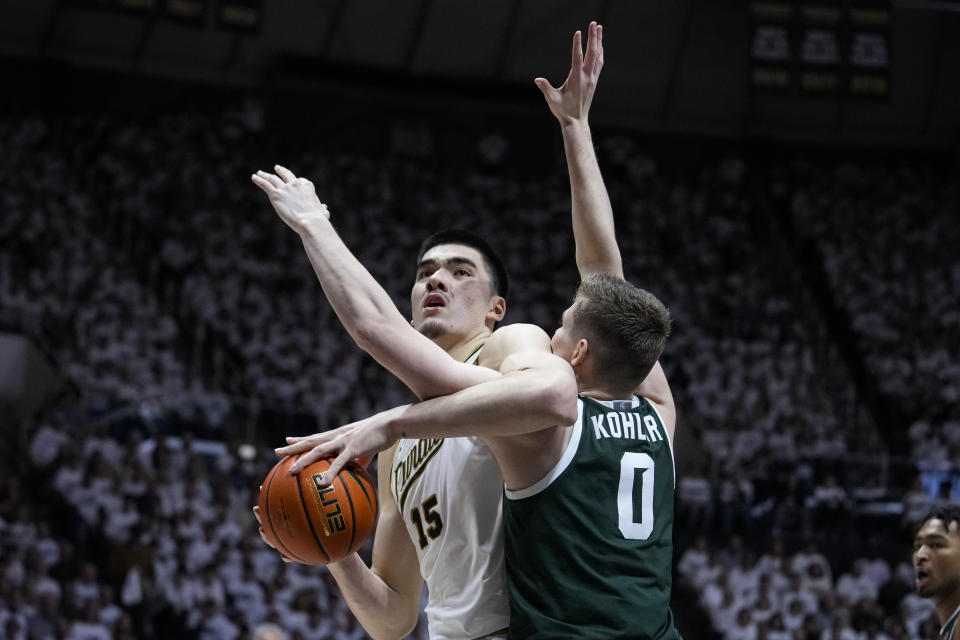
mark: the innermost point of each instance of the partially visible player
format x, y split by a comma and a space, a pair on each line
936, 561
589, 509
440, 517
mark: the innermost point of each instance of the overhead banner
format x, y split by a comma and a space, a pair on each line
240, 15
809, 47
186, 11
870, 48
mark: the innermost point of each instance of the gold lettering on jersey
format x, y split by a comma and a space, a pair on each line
412, 465
329, 507
627, 426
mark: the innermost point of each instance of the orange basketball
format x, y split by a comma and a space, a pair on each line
313, 524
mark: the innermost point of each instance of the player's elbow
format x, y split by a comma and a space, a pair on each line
399, 628
369, 334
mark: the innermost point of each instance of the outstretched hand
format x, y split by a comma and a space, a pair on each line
294, 199
571, 102
263, 536
357, 440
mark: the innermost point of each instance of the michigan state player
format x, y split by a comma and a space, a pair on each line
589, 500
936, 561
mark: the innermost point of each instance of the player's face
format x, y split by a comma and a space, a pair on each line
936, 559
452, 292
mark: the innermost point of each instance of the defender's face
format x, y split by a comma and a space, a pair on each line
452, 292
936, 559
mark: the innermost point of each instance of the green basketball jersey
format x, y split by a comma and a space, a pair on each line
947, 630
589, 547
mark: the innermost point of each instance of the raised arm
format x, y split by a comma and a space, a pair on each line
364, 308
593, 228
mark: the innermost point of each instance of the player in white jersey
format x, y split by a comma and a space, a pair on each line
457, 537
456, 300
455, 303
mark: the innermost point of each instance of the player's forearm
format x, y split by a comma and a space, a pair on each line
375, 324
593, 226
381, 610
356, 297
521, 402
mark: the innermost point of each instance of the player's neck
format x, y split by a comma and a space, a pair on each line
598, 393
947, 606
463, 348
598, 390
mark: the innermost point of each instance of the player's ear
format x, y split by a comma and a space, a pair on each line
580, 351
498, 308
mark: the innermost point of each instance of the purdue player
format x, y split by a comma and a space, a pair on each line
589, 509
440, 517
936, 561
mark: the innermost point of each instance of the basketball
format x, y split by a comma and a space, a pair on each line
313, 524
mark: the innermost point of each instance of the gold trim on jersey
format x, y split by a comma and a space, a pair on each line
409, 469
412, 466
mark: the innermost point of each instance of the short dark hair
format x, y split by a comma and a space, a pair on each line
947, 513
626, 326
499, 279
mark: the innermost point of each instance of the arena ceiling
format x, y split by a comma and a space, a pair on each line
671, 65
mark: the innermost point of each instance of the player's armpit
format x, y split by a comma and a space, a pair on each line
511, 339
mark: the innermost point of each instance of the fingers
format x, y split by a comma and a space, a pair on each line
335, 467
318, 452
594, 59
544, 85
256, 514
299, 444
262, 183
576, 60
591, 44
269, 177
263, 536
598, 63
284, 173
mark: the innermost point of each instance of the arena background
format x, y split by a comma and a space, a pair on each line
784, 176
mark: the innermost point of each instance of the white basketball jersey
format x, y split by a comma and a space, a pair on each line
449, 492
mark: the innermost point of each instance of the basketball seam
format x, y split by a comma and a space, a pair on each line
353, 512
356, 478
306, 512
273, 527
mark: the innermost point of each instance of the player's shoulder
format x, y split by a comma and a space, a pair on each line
510, 339
519, 332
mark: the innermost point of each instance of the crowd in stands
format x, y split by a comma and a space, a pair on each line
169, 292
886, 235
792, 595
169, 275
161, 544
